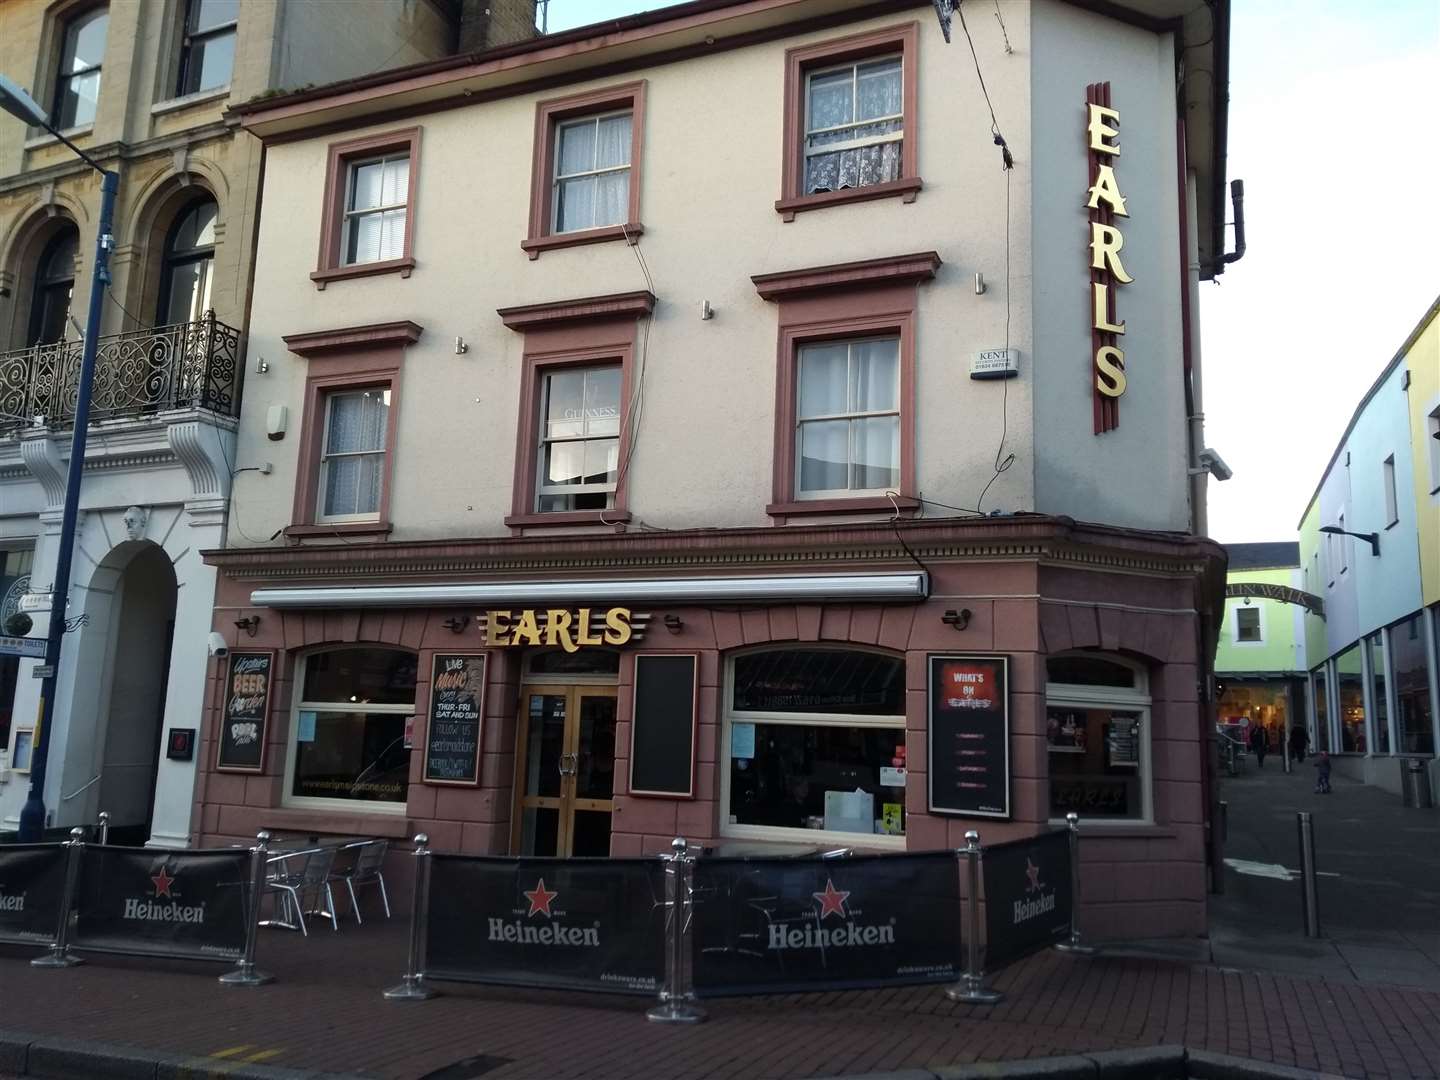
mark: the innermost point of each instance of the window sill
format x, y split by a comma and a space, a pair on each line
378, 819
323, 277
378, 529
628, 232
906, 189
573, 517
1093, 827
865, 504
200, 97
47, 139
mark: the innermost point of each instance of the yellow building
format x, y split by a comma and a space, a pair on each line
1422, 361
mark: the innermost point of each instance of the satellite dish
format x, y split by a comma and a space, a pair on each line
943, 11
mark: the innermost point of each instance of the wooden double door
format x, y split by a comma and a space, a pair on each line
565, 770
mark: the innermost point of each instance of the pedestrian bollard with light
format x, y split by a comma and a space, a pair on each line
247, 974
413, 986
1309, 889
59, 955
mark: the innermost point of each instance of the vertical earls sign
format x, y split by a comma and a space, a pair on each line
1107, 273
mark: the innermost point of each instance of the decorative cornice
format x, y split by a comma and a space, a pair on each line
629, 305
890, 270
376, 335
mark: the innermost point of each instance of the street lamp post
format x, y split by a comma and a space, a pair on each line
22, 106
1373, 539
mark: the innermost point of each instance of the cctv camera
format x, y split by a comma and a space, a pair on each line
217, 644
1215, 463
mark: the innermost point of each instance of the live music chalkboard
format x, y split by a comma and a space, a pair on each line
241, 745
969, 736
456, 719
662, 730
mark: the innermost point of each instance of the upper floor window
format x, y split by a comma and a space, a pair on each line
352, 459
369, 213
375, 209
1432, 432
848, 417
77, 85
207, 51
592, 172
1392, 506
1247, 624
54, 285
579, 452
189, 265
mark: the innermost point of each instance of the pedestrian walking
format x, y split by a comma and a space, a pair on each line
1259, 743
1297, 744
1322, 775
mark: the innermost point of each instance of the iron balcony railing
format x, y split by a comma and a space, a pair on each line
186, 365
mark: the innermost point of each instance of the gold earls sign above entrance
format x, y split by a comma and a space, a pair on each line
570, 629
1105, 203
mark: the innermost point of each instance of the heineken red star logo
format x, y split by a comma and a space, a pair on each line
1033, 873
163, 881
540, 899
832, 900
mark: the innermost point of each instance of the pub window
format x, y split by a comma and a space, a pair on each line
352, 458
207, 51
1247, 625
578, 460
815, 746
848, 418
348, 741
77, 84
1097, 732
854, 125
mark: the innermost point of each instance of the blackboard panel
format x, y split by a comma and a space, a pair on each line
240, 746
455, 721
969, 736
662, 730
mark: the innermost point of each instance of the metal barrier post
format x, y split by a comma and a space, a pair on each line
971, 989
677, 999
59, 954
1075, 945
1309, 891
102, 822
413, 986
246, 974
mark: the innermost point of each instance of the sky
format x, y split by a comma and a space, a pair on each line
1333, 128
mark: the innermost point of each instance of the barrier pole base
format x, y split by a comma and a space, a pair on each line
1076, 949
675, 1012
246, 975
411, 988
972, 991
56, 959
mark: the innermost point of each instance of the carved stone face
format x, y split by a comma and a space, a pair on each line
135, 520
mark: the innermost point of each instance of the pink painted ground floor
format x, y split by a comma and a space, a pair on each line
752, 690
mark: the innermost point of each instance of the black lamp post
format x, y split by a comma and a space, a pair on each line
22, 106
1373, 539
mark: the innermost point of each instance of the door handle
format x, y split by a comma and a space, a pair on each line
568, 764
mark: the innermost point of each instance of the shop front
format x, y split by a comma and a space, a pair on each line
753, 690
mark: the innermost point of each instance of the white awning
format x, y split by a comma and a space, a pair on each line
730, 590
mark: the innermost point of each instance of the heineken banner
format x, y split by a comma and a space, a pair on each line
1027, 896
567, 924
787, 925
32, 887
184, 904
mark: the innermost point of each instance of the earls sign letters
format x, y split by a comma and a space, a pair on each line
1105, 203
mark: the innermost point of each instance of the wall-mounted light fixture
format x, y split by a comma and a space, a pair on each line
456, 624
958, 619
1373, 539
249, 624
674, 623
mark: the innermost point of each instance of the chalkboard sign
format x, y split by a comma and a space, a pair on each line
662, 730
969, 736
241, 745
456, 719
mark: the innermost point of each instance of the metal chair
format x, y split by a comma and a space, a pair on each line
311, 882
369, 858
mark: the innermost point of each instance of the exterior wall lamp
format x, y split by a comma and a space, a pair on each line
456, 624
249, 624
1373, 539
958, 619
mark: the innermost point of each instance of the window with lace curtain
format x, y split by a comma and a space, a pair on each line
369, 213
352, 461
592, 172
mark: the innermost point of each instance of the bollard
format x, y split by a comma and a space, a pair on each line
971, 989
59, 954
1075, 945
102, 822
1309, 892
677, 998
1224, 822
246, 974
413, 986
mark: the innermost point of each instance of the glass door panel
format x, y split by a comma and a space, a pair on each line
567, 748
545, 744
595, 767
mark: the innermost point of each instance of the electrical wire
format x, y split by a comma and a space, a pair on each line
998, 138
1001, 466
233, 505
636, 407
1003, 34
895, 528
129, 314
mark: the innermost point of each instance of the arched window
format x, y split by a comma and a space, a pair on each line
1097, 731
348, 730
814, 741
189, 265
54, 283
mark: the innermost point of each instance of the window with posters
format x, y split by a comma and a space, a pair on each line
1097, 732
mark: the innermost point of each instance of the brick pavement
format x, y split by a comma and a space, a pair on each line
325, 1011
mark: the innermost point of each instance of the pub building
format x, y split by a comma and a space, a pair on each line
670, 434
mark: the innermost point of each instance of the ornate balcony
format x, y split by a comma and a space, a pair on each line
187, 365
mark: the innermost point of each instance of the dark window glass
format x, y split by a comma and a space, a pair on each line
1382, 707
189, 265
362, 676
1088, 671
345, 755
818, 777
1412, 688
54, 284
14, 583
1322, 715
820, 680
1095, 762
1352, 701
208, 51
1247, 624
77, 86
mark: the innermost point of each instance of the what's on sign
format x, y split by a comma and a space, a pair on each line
1105, 205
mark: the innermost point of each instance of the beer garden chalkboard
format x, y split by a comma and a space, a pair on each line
969, 736
241, 745
455, 721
